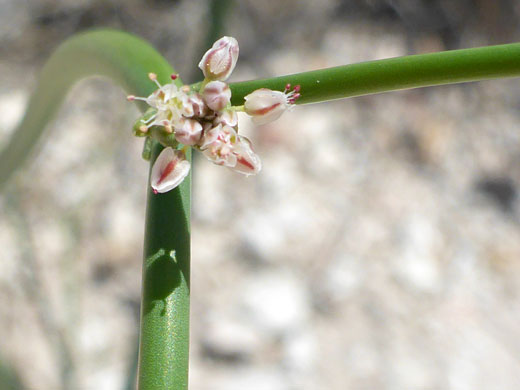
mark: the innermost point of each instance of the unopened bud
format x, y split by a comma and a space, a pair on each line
217, 95
265, 105
188, 131
199, 107
219, 61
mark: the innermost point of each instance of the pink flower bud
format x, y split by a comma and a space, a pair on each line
219, 61
248, 162
188, 131
169, 170
217, 95
265, 105
199, 107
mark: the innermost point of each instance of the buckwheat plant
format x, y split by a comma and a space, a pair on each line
178, 118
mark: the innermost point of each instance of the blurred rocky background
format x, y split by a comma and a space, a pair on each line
378, 249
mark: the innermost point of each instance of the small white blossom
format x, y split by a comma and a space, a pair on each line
223, 146
169, 170
219, 61
265, 105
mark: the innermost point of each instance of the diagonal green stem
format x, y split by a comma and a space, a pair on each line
423, 70
164, 331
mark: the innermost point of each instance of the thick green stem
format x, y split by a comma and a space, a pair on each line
165, 310
448, 67
163, 358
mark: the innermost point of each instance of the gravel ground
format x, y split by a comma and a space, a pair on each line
378, 248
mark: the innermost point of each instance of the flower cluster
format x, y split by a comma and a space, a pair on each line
204, 119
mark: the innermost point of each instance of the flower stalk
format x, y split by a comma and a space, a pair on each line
415, 71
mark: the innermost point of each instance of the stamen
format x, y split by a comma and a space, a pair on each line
155, 191
297, 88
143, 128
174, 76
153, 77
185, 88
149, 120
132, 98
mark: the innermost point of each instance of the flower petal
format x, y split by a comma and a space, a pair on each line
169, 170
248, 161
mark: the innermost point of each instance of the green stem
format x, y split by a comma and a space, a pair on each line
456, 66
165, 310
163, 358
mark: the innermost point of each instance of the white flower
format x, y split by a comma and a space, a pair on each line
217, 145
217, 95
220, 153
265, 105
219, 61
169, 170
172, 104
220, 133
223, 146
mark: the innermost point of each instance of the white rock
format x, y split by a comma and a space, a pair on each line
230, 339
276, 301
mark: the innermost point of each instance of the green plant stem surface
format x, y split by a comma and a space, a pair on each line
164, 329
422, 70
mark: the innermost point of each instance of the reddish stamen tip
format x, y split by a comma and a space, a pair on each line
152, 76
296, 96
130, 98
174, 76
297, 88
287, 86
155, 191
